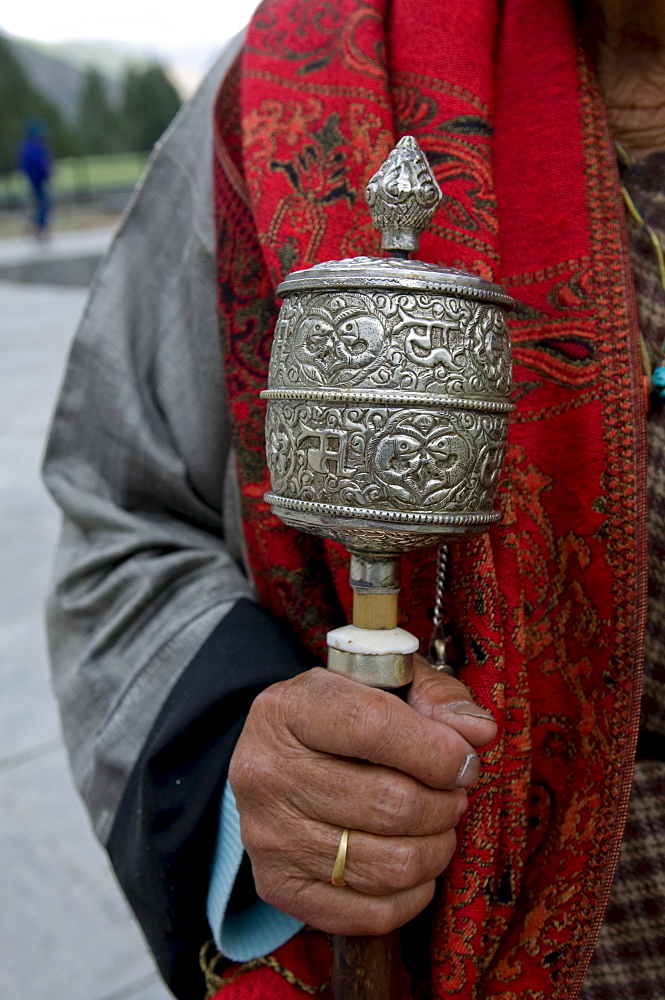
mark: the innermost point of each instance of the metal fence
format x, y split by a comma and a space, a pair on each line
78, 179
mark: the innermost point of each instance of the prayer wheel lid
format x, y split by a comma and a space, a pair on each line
393, 273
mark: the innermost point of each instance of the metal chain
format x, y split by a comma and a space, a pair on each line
437, 645
441, 575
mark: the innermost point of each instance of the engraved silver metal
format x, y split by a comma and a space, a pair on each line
403, 195
389, 398
432, 343
395, 274
389, 388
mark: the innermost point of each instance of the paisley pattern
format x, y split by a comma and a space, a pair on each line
550, 605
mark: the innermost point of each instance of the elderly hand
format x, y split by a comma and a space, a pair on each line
319, 753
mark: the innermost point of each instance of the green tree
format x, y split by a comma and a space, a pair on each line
149, 103
98, 123
20, 101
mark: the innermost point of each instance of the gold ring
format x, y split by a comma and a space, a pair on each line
340, 861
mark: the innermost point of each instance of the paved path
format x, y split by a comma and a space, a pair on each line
64, 259
20, 248
65, 932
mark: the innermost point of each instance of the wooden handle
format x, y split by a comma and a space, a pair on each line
366, 968
374, 610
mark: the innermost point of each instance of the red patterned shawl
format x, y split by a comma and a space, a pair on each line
552, 601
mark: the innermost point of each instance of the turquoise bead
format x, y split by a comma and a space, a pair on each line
658, 380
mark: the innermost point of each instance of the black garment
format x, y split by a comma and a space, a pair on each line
164, 835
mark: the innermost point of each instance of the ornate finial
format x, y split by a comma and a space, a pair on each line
403, 195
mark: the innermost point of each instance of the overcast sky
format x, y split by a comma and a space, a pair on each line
149, 22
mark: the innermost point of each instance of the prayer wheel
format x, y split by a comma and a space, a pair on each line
388, 405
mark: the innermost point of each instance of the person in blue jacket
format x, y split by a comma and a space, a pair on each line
35, 161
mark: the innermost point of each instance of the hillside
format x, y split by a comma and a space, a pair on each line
84, 111
56, 78
59, 68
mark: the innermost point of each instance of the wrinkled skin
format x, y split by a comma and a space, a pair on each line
319, 753
626, 39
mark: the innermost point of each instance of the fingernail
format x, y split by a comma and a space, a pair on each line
469, 708
469, 770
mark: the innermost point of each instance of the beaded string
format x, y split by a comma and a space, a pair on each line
655, 376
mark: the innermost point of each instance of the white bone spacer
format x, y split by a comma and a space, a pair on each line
372, 641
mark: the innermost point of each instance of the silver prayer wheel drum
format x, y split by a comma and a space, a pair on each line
389, 382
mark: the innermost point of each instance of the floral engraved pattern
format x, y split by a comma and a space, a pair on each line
418, 341
385, 458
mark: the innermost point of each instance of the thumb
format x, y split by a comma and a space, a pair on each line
445, 699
